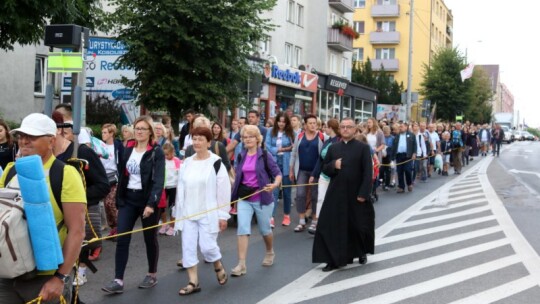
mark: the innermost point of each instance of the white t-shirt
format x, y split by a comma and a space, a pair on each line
133, 166
110, 163
171, 174
195, 183
372, 140
187, 141
279, 140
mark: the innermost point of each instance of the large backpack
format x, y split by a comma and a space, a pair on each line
457, 141
16, 254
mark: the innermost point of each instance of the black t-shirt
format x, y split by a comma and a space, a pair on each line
7, 154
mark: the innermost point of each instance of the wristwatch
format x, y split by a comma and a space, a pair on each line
64, 278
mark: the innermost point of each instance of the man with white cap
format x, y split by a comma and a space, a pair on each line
37, 136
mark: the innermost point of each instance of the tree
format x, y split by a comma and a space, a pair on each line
189, 54
443, 86
389, 92
24, 21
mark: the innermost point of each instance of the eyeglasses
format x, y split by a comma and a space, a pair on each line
141, 129
347, 127
248, 137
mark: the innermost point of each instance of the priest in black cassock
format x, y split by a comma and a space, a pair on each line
346, 227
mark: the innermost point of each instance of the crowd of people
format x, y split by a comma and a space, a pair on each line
148, 173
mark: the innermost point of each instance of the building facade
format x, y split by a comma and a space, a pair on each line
384, 37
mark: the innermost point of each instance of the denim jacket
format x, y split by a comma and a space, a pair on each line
271, 146
263, 177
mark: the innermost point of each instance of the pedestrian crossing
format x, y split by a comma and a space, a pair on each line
457, 245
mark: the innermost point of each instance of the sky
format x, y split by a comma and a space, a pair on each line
504, 33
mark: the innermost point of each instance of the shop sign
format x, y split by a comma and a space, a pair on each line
336, 84
290, 77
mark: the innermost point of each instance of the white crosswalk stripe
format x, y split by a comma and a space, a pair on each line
464, 223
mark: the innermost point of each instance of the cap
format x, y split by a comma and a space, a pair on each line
37, 124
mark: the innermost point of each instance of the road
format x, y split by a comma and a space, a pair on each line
469, 238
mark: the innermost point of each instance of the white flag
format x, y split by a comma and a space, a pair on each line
467, 72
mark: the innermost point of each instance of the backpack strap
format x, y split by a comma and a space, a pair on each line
217, 165
56, 176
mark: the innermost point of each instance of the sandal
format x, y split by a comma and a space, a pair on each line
222, 279
312, 228
189, 289
300, 228
180, 264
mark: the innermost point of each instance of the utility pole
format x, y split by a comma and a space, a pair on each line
409, 69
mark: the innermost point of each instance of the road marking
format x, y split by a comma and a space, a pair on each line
440, 282
471, 211
500, 292
524, 172
438, 208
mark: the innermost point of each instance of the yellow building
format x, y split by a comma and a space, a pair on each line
384, 37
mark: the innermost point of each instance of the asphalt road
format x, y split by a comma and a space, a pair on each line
451, 238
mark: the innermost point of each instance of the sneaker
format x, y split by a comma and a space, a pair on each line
233, 210
170, 231
148, 282
163, 229
80, 279
113, 287
272, 223
95, 254
286, 220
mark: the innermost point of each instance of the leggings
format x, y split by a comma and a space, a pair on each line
127, 216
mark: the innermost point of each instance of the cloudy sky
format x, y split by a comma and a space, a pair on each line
504, 33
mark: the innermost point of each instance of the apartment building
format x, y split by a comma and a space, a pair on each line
308, 63
384, 37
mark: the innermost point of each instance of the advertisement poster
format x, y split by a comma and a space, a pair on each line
390, 112
104, 75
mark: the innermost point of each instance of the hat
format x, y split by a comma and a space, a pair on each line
37, 124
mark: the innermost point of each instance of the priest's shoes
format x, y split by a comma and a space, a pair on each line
329, 267
362, 260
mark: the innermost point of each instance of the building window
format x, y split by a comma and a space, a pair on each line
333, 64
290, 11
386, 26
385, 53
297, 56
359, 3
288, 53
264, 46
300, 15
358, 54
344, 67
359, 27
40, 75
386, 2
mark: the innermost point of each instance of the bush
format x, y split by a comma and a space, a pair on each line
101, 110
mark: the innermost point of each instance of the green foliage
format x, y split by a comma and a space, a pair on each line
389, 92
101, 110
189, 54
534, 132
24, 21
442, 85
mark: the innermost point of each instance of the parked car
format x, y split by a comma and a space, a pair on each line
518, 135
527, 135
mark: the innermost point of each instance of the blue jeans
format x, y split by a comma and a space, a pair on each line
263, 213
286, 191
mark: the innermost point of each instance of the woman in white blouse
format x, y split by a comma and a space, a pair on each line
202, 198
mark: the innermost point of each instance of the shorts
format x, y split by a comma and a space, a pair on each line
245, 210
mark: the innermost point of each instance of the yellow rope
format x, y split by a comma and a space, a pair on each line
38, 300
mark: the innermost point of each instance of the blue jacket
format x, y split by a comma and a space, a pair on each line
271, 146
263, 177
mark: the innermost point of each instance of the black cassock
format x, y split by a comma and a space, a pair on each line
346, 227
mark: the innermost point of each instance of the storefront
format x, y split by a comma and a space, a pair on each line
287, 89
339, 98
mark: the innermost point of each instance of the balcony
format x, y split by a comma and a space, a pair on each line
338, 41
344, 6
390, 65
384, 37
385, 11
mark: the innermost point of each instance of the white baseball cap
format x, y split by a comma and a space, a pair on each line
37, 124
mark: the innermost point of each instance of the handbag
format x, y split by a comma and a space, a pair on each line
113, 178
245, 191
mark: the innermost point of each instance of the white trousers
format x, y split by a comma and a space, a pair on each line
323, 187
196, 233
